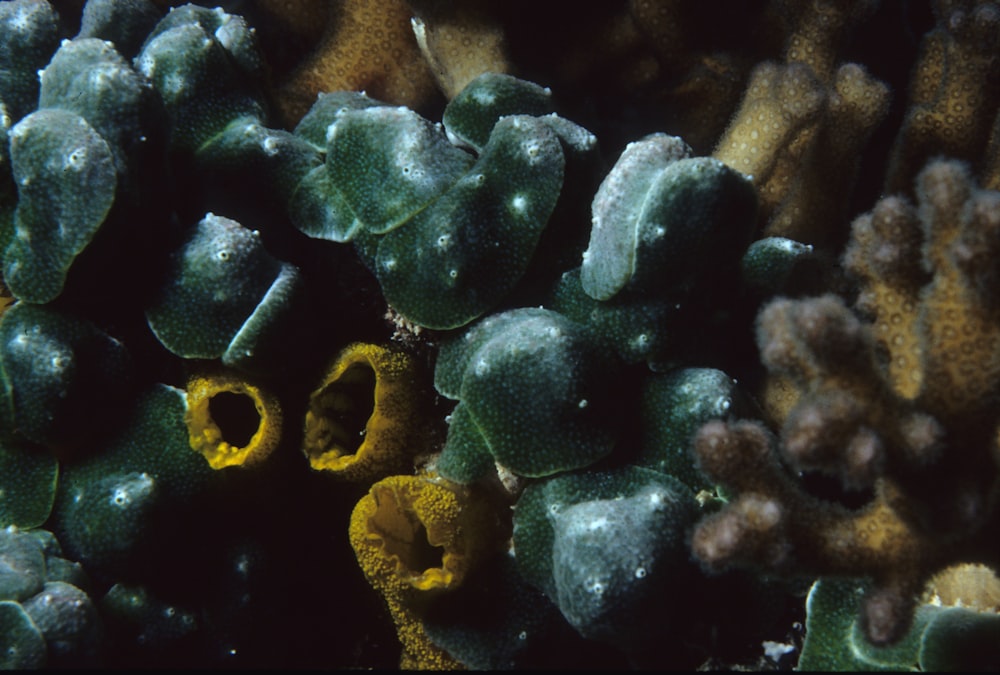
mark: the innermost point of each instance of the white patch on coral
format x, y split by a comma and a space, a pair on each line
270, 145
76, 160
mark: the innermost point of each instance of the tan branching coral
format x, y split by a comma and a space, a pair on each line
803, 124
929, 277
904, 411
954, 95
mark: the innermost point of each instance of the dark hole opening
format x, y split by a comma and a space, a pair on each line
830, 489
348, 404
423, 555
236, 416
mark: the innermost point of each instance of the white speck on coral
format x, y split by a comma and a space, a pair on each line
640, 572
146, 65
482, 367
583, 403
519, 203
76, 159
483, 98
775, 650
597, 524
270, 145
173, 84
594, 586
21, 21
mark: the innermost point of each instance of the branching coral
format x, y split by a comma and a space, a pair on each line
917, 428
803, 123
954, 95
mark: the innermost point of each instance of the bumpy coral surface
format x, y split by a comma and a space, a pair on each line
498, 335
904, 409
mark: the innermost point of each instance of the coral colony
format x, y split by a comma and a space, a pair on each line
500, 334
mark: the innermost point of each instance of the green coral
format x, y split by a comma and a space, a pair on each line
58, 376
66, 178
112, 508
941, 638
29, 33
29, 487
205, 65
608, 547
238, 291
46, 618
673, 406
124, 23
657, 213
533, 386
471, 115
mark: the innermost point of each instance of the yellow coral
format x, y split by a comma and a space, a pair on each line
222, 411
415, 537
362, 419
